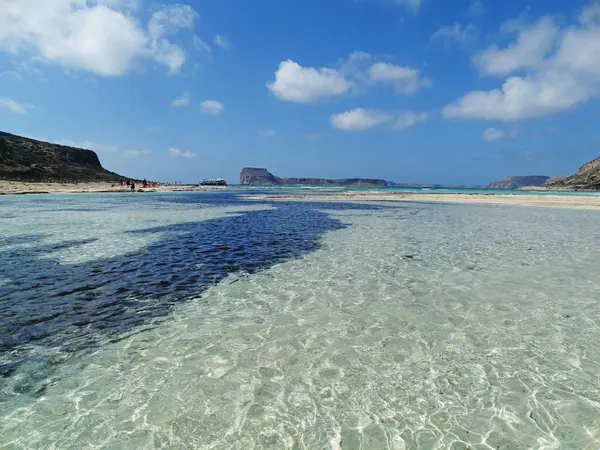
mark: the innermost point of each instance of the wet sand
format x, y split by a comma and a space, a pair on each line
552, 200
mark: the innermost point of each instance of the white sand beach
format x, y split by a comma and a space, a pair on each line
552, 200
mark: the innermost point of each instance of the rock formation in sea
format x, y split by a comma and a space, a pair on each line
25, 159
587, 177
255, 176
518, 182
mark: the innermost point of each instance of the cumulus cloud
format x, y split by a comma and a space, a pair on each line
183, 100
212, 107
561, 70
531, 47
405, 80
360, 119
411, 5
360, 70
104, 148
299, 84
176, 153
455, 33
201, 46
497, 134
222, 42
476, 8
409, 119
102, 36
13, 105
590, 15
266, 133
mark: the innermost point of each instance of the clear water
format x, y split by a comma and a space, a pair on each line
202, 321
422, 190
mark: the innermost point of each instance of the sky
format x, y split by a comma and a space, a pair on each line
415, 91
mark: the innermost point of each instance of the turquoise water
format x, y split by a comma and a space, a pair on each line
203, 321
372, 189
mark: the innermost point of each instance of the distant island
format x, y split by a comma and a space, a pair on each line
29, 160
255, 176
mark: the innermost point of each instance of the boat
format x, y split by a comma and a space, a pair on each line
213, 182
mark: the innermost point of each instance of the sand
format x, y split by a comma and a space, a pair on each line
565, 201
18, 187
545, 199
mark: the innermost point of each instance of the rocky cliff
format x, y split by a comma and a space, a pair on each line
587, 177
256, 176
517, 182
24, 159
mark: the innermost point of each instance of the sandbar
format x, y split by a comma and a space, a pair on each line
591, 201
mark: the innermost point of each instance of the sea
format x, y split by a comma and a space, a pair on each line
208, 320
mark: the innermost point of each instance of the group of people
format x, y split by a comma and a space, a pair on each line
145, 184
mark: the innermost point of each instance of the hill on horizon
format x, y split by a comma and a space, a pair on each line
26, 159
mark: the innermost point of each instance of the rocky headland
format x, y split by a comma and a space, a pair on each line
262, 177
587, 177
519, 182
28, 160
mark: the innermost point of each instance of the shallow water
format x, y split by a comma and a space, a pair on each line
379, 326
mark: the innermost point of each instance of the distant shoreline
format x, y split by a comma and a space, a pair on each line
493, 198
548, 200
22, 188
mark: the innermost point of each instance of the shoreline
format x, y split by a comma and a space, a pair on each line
547, 200
24, 188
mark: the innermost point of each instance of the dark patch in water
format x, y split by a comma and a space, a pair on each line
75, 307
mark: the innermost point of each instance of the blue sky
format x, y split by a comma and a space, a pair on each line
429, 91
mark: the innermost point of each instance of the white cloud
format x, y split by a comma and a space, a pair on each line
222, 42
183, 100
412, 5
455, 33
102, 36
590, 15
409, 119
212, 107
201, 46
405, 80
13, 105
359, 71
128, 153
493, 134
530, 49
476, 8
358, 119
11, 73
299, 84
266, 133
561, 71
104, 148
175, 152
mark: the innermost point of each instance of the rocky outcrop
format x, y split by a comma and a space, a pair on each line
254, 176
24, 159
518, 182
251, 175
587, 177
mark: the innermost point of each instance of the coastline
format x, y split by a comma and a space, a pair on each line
22, 187
548, 200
